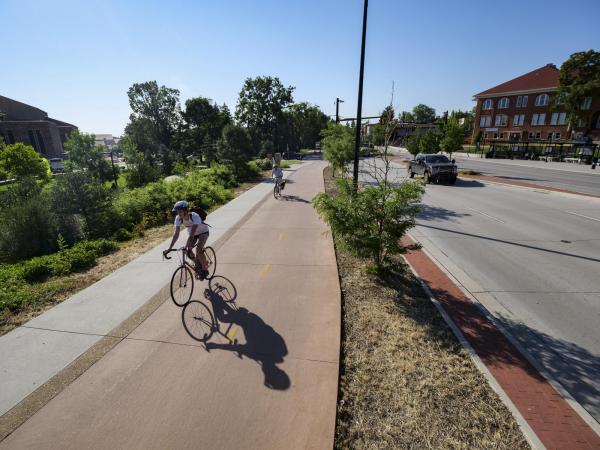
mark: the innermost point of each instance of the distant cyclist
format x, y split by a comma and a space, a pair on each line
197, 236
277, 175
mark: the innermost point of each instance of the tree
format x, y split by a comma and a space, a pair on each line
305, 122
140, 171
155, 110
338, 146
454, 136
234, 146
406, 117
204, 122
22, 161
260, 109
423, 114
85, 155
74, 193
387, 115
579, 78
423, 142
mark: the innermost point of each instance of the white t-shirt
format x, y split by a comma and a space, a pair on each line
277, 172
192, 219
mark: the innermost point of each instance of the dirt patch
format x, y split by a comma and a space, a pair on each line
405, 380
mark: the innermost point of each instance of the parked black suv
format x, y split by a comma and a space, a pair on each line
434, 168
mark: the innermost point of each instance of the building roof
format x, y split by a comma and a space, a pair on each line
539, 79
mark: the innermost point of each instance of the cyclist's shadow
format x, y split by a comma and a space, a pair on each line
263, 344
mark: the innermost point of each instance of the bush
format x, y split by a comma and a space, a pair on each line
370, 222
264, 164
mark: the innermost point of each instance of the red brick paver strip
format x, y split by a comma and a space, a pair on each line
524, 184
549, 415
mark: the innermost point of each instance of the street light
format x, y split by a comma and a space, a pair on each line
337, 109
360, 92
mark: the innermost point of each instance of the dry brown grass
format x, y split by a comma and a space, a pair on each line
470, 172
405, 380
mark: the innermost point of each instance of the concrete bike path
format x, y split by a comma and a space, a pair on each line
32, 354
275, 387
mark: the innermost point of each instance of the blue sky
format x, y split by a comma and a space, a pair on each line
76, 59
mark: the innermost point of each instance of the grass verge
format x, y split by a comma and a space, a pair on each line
405, 380
470, 172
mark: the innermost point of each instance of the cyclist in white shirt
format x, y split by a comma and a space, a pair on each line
197, 236
277, 175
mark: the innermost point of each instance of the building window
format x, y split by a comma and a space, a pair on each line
581, 123
556, 135
495, 135
485, 121
518, 120
503, 104
32, 140
522, 101
586, 103
10, 137
558, 118
531, 135
488, 104
542, 100
538, 135
538, 119
560, 99
40, 141
501, 120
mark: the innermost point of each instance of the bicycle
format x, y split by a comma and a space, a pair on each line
277, 188
182, 281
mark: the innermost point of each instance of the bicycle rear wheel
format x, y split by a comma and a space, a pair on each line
182, 285
198, 321
211, 259
276, 191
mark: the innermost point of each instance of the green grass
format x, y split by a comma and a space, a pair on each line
120, 181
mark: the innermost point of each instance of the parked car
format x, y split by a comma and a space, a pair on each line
56, 165
434, 168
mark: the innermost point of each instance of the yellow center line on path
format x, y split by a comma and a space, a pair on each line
280, 236
265, 270
231, 334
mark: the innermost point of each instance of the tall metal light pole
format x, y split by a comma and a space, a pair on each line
360, 91
337, 109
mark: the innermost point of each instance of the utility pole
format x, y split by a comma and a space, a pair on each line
360, 92
112, 161
337, 109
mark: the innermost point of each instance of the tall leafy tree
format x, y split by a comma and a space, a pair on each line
579, 78
234, 146
204, 122
406, 116
423, 114
387, 115
306, 123
454, 136
260, 109
85, 155
155, 109
338, 146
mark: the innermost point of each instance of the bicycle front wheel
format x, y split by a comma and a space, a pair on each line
211, 259
182, 285
198, 321
276, 191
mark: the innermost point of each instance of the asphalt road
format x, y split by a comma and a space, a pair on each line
587, 182
532, 258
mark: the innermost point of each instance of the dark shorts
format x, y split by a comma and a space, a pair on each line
200, 240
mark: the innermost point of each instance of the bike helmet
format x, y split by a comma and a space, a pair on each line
182, 204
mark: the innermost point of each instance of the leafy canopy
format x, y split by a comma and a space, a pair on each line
22, 161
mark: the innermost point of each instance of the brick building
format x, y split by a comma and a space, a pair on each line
527, 109
24, 123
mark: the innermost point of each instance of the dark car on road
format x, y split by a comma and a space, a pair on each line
433, 168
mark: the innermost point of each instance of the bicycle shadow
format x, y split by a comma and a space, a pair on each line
263, 344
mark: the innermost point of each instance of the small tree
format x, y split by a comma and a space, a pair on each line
338, 146
406, 117
22, 161
413, 143
430, 142
85, 155
139, 170
454, 136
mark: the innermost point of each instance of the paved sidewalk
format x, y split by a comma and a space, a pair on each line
555, 423
35, 352
269, 379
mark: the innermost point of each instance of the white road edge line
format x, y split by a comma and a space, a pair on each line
487, 215
581, 215
528, 432
583, 413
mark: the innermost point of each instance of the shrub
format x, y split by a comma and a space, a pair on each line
264, 164
370, 222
